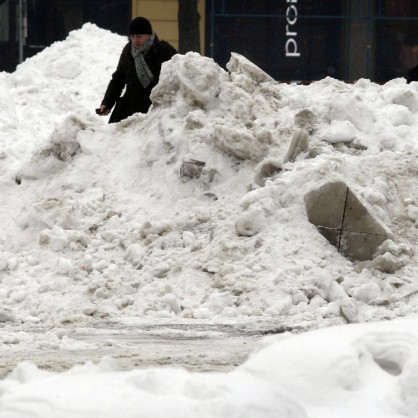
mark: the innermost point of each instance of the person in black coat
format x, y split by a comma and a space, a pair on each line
138, 69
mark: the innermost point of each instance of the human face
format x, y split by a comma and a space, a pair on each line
139, 40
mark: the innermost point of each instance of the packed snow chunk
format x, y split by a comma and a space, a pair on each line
64, 139
351, 107
135, 253
64, 266
191, 169
367, 292
197, 170
298, 145
397, 115
387, 263
161, 270
188, 238
218, 301
281, 306
340, 131
201, 313
336, 292
189, 82
61, 147
402, 95
172, 302
271, 166
56, 238
390, 257
250, 223
239, 143
240, 65
266, 169
158, 228
306, 119
61, 211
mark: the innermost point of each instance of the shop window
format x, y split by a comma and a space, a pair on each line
4, 20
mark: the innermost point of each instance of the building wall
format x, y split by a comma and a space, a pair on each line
298, 40
163, 16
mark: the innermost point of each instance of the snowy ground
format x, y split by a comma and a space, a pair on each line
117, 224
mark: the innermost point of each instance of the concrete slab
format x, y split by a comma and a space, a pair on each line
332, 235
325, 205
345, 221
358, 246
358, 219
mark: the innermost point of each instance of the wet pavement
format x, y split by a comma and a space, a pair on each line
195, 347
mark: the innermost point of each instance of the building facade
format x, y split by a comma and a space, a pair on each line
47, 21
36, 24
313, 39
292, 40
163, 14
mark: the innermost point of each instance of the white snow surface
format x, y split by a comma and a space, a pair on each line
107, 222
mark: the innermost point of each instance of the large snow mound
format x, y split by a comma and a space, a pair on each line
159, 216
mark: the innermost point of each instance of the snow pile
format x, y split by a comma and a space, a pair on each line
159, 216
60, 80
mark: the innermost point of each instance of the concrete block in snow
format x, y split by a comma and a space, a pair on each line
345, 221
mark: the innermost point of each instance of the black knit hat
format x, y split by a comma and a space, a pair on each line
140, 26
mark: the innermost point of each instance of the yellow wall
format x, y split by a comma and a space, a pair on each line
163, 17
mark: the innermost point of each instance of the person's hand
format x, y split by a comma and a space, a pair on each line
103, 110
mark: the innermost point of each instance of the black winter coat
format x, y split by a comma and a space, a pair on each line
136, 97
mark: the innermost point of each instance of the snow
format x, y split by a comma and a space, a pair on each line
367, 370
159, 218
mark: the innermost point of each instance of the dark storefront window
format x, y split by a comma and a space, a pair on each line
49, 21
279, 36
8, 56
312, 39
52, 20
113, 15
396, 38
4, 20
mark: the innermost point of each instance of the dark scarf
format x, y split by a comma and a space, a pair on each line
144, 73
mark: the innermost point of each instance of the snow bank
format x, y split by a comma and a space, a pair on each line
159, 216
